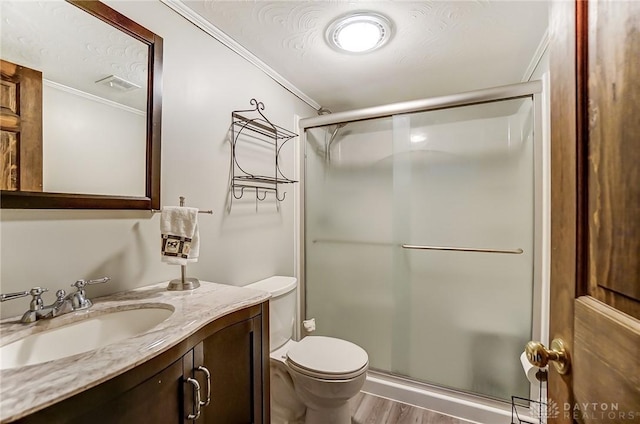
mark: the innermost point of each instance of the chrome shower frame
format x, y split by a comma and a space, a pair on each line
533, 90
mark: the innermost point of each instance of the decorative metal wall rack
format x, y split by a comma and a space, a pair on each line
252, 124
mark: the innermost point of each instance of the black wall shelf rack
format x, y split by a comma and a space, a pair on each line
253, 124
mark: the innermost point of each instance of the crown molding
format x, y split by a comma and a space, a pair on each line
537, 56
196, 19
92, 97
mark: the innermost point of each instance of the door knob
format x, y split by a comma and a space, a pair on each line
540, 356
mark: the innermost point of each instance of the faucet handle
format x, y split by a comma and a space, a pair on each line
81, 283
78, 298
11, 296
36, 301
36, 292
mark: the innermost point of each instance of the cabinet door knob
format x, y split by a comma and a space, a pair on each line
196, 403
208, 375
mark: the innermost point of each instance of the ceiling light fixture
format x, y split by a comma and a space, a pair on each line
360, 32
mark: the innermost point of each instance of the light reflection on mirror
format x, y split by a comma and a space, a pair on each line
94, 133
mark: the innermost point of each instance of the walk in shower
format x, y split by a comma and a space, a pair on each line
421, 238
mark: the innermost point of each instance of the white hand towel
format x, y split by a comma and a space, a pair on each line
180, 239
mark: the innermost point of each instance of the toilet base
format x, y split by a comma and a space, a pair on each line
336, 415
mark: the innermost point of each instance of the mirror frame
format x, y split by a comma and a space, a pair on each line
151, 199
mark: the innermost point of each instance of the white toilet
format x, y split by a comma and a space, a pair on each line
317, 374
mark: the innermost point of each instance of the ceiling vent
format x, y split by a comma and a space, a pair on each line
118, 83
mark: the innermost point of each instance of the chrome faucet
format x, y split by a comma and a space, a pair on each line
37, 309
63, 304
78, 299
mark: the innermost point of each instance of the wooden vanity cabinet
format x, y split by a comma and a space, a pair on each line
234, 350
156, 400
236, 378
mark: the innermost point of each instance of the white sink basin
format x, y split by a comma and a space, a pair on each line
80, 336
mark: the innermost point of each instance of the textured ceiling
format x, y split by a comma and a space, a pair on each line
72, 48
438, 47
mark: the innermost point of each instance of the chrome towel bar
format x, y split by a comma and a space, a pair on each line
421, 247
463, 249
210, 212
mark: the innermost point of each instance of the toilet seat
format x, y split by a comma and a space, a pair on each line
327, 358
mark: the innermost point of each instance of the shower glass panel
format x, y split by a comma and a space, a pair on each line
419, 235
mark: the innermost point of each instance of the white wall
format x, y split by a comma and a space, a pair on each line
84, 152
203, 82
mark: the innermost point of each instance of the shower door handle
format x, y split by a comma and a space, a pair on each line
539, 356
463, 249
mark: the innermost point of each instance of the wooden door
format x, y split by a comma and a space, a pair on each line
20, 128
595, 209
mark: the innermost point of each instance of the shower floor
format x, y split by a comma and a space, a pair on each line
370, 409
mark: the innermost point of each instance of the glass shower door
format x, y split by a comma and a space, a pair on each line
419, 242
348, 231
463, 235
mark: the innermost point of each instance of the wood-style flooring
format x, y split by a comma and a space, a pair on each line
370, 409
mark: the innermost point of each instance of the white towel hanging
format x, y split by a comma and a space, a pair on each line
180, 238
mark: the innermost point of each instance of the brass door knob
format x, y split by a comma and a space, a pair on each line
540, 356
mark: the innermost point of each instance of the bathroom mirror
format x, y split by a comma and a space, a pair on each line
80, 107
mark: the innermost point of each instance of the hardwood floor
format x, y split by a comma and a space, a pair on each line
370, 409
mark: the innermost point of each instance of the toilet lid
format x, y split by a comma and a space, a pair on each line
327, 355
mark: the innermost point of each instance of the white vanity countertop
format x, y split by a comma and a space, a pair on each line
28, 389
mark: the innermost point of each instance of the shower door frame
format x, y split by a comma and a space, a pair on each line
541, 254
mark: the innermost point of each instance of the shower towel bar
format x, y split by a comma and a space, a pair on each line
421, 247
463, 249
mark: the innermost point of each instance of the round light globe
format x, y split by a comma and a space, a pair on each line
359, 32
359, 36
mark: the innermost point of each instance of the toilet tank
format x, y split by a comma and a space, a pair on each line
282, 307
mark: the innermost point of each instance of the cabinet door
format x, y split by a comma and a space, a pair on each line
157, 400
233, 356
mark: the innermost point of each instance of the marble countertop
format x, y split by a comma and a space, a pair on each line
28, 389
